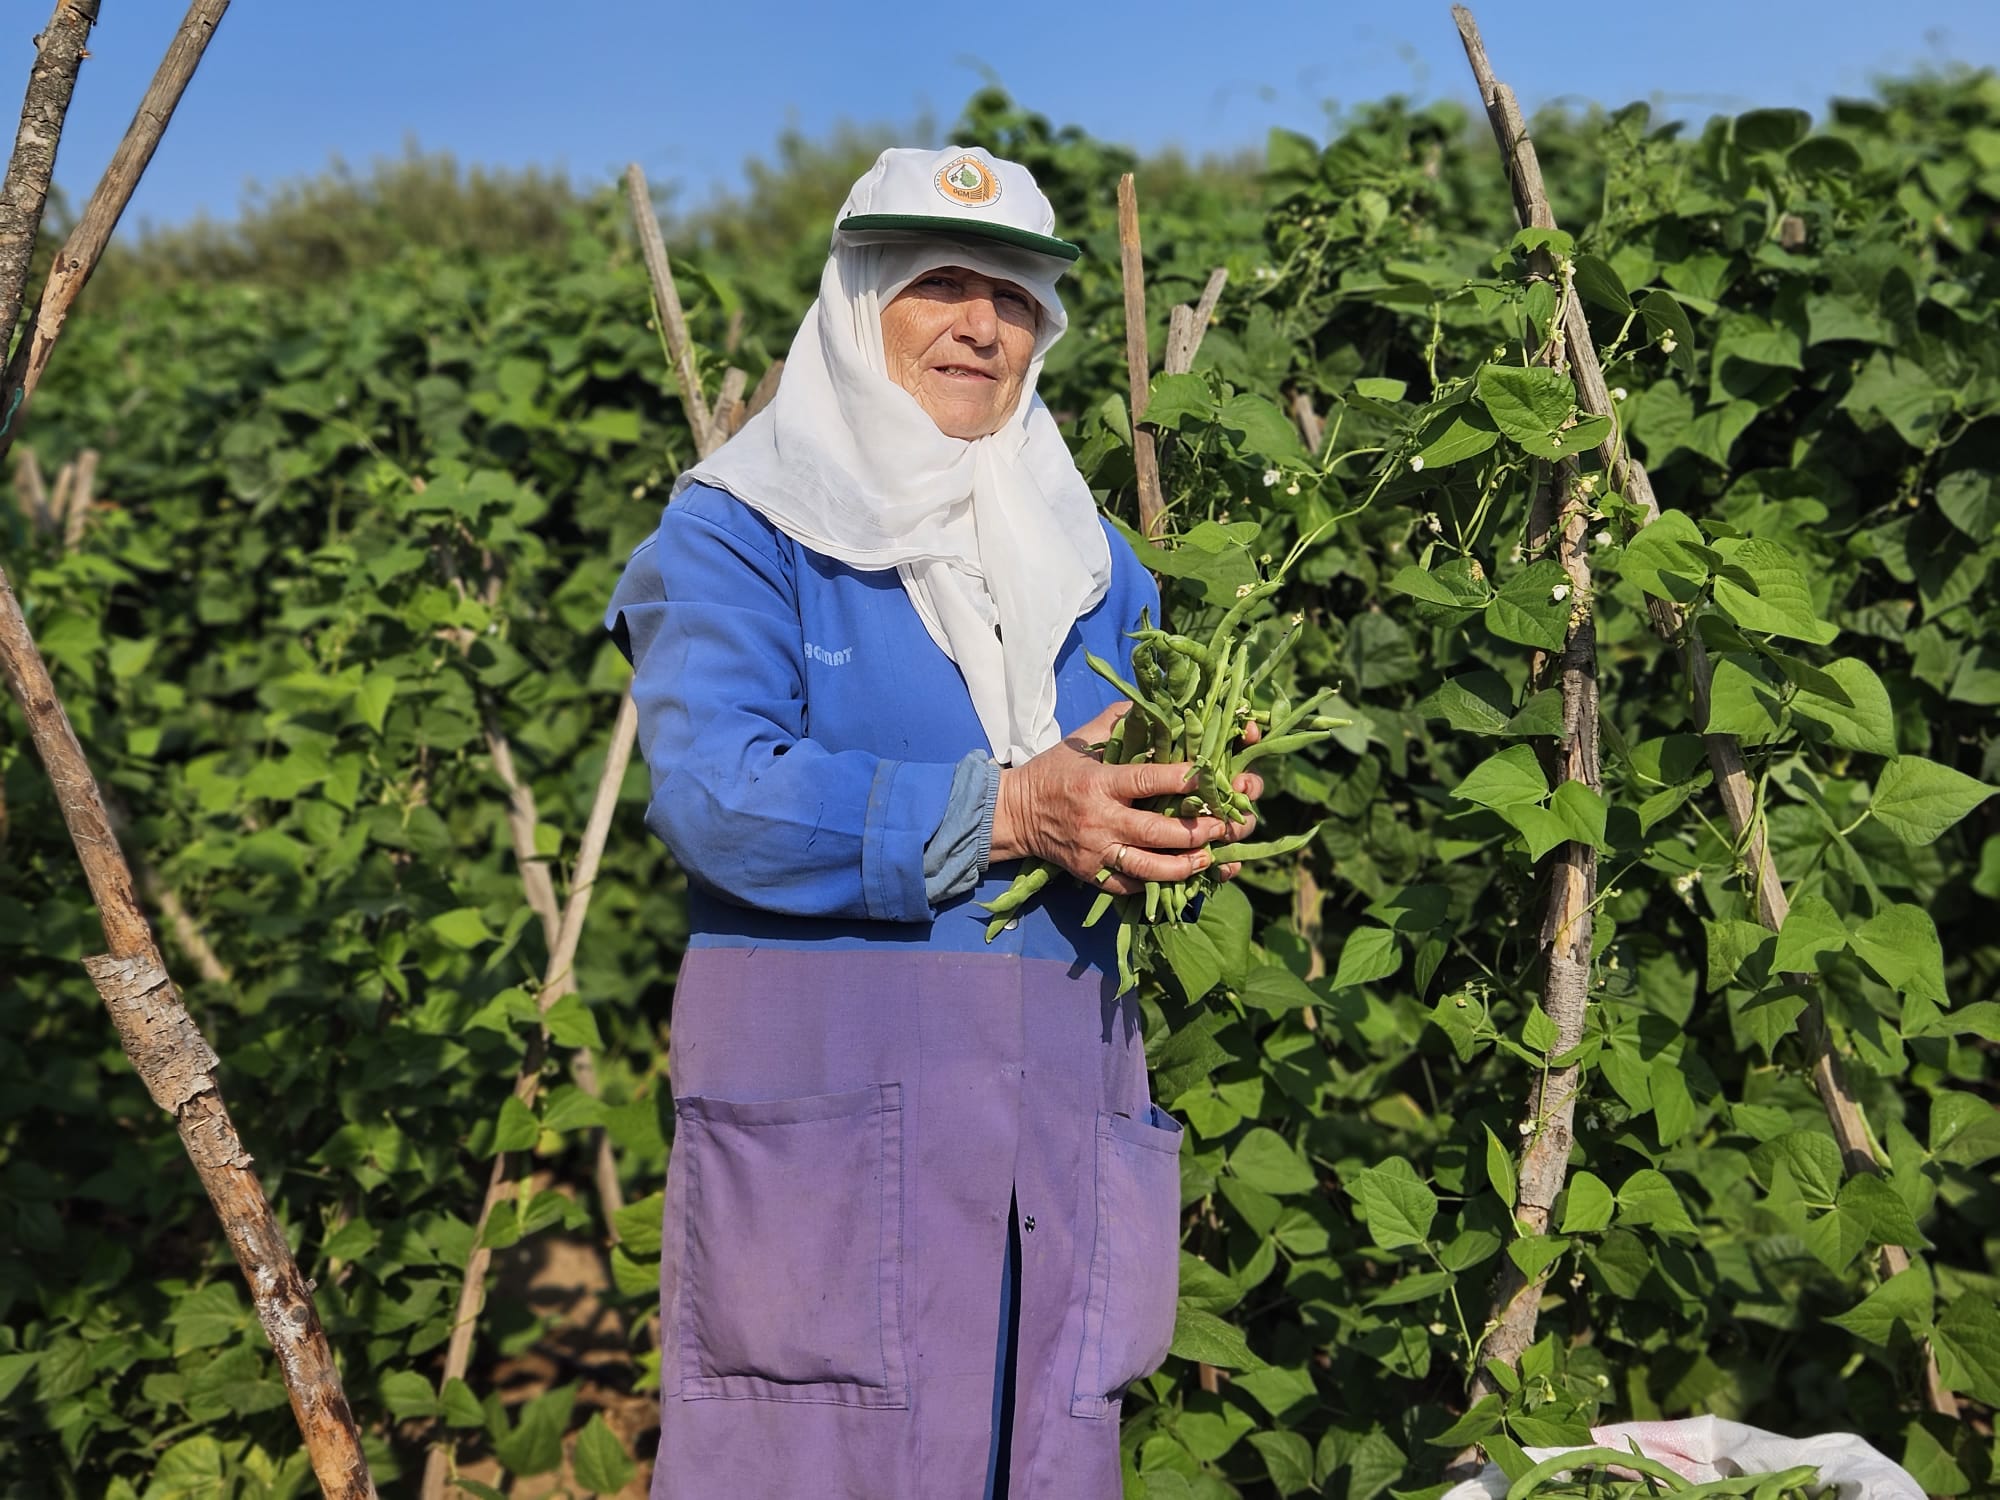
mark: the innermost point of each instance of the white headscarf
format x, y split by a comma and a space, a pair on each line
996, 539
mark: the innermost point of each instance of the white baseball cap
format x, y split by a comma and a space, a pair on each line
961, 191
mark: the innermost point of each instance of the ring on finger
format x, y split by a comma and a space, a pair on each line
1117, 860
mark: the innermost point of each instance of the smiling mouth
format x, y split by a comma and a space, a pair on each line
960, 372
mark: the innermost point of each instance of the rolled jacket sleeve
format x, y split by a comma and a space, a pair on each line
748, 803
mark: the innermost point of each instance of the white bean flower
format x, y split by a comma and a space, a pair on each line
1559, 593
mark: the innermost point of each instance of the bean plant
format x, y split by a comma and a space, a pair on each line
347, 540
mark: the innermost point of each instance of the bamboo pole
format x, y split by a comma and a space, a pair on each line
80, 252
1138, 363
1725, 755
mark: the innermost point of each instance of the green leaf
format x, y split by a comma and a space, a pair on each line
1745, 698
1268, 1163
1673, 1105
1419, 584
1288, 1459
1665, 319
1399, 1207
1647, 1198
1266, 432
1454, 435
1900, 943
1965, 1129
461, 1408
1970, 500
1866, 721
1175, 398
408, 1394
14, 1368
1215, 950
1669, 558
372, 700
1500, 1168
1763, 588
1918, 799
1880, 1210
1597, 282
1472, 702
1812, 927
193, 1469
1420, 1286
462, 927
1528, 403
1533, 1254
639, 1225
1368, 954
1505, 779
1533, 608
1202, 1336
571, 1024
1587, 1204
600, 1462
1539, 828
1278, 1390
1812, 1159
1582, 813
1770, 129
535, 1445
517, 1129
1967, 1342
1733, 943
1904, 1298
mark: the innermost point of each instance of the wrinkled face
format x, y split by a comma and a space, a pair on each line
961, 343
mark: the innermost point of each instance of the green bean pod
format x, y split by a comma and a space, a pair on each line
1268, 849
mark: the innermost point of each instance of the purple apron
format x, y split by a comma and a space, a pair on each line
862, 1084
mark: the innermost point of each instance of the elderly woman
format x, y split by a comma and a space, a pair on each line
922, 1217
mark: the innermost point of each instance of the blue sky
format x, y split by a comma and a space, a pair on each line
692, 91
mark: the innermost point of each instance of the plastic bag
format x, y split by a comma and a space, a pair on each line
1704, 1448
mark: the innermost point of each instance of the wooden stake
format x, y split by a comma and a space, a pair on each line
30, 489
177, 1065
80, 252
59, 54
667, 303
1725, 755
767, 387
729, 404
1138, 364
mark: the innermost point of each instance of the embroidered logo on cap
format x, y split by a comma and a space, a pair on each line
968, 182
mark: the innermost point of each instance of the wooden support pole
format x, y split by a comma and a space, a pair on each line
667, 304
177, 1065
1138, 364
79, 254
59, 54
1725, 755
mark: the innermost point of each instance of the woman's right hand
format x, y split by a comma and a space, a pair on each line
1066, 806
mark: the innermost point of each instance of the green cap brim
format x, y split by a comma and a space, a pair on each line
1006, 234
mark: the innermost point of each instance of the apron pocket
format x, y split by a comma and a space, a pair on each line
1128, 1316
793, 1248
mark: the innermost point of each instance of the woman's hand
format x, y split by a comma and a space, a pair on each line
1067, 807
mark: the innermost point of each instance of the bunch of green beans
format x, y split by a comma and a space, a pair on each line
1191, 702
